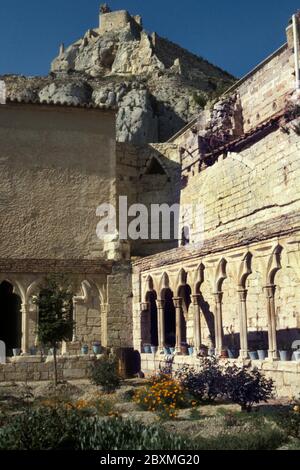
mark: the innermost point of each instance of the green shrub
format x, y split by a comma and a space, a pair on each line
246, 387
200, 99
104, 372
289, 422
56, 429
293, 445
205, 384
41, 429
265, 438
215, 379
121, 434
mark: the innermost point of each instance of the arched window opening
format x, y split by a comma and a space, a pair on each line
170, 319
153, 323
10, 318
185, 236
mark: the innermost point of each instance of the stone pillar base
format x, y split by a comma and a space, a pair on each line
243, 354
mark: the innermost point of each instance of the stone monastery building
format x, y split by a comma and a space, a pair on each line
231, 282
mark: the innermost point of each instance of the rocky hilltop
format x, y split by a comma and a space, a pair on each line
156, 85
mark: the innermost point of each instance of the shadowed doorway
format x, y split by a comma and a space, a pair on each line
151, 298
170, 319
10, 317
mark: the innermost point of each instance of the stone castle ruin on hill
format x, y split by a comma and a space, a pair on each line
125, 113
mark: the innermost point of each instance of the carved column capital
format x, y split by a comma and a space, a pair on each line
218, 296
195, 299
242, 294
177, 302
24, 308
270, 291
160, 303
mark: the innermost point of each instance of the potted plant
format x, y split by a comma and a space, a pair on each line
97, 347
191, 350
84, 349
147, 348
184, 348
224, 353
297, 355
172, 350
153, 349
262, 351
203, 351
284, 352
253, 355
32, 350
167, 350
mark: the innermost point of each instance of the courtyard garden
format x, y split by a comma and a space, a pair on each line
218, 406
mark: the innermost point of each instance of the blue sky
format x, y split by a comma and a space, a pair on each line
234, 34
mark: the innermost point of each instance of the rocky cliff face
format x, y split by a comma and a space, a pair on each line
156, 85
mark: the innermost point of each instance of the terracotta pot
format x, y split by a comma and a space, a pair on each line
224, 353
184, 349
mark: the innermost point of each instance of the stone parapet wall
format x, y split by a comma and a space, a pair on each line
264, 92
46, 266
286, 375
34, 368
244, 188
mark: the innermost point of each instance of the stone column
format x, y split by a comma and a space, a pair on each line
24, 339
197, 322
36, 338
270, 294
243, 323
178, 309
74, 337
218, 322
161, 323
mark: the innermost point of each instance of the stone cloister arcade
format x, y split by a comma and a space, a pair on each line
245, 296
19, 314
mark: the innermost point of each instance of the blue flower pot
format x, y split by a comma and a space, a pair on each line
262, 354
153, 349
147, 349
84, 350
167, 351
253, 355
96, 349
285, 355
297, 356
172, 350
232, 353
191, 351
